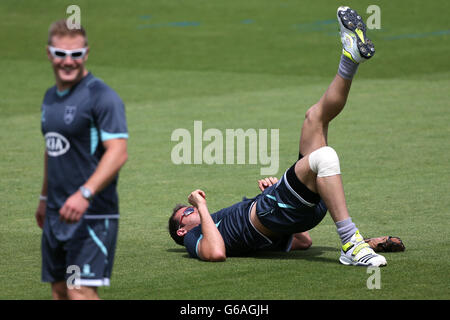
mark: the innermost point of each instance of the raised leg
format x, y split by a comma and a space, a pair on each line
315, 126
319, 167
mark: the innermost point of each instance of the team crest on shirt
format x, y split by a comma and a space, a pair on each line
69, 114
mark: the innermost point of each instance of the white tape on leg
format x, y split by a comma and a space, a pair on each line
325, 162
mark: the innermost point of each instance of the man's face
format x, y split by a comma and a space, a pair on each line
189, 221
68, 71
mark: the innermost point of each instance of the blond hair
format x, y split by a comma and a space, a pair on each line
59, 28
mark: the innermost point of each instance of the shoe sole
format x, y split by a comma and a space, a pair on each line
348, 262
353, 22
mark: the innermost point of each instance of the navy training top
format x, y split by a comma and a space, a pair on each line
74, 123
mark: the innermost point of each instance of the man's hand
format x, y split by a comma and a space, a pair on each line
40, 213
74, 208
267, 182
197, 198
211, 246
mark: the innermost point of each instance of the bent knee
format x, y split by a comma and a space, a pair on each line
313, 114
324, 162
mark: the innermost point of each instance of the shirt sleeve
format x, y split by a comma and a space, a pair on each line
109, 114
191, 240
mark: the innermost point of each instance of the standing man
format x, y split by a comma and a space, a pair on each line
85, 130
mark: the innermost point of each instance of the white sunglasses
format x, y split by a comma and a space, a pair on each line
61, 53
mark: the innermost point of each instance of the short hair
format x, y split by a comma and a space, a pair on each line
174, 224
60, 28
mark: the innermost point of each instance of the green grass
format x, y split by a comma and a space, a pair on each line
253, 64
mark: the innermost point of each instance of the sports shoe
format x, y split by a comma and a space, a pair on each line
357, 252
356, 45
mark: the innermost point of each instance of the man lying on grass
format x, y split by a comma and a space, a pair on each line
279, 217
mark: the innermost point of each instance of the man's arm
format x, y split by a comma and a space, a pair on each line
211, 247
40, 211
112, 160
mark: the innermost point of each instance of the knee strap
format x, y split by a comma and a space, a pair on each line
325, 162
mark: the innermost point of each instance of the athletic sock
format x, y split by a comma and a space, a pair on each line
346, 229
347, 68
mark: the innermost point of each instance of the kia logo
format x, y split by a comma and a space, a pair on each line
56, 144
